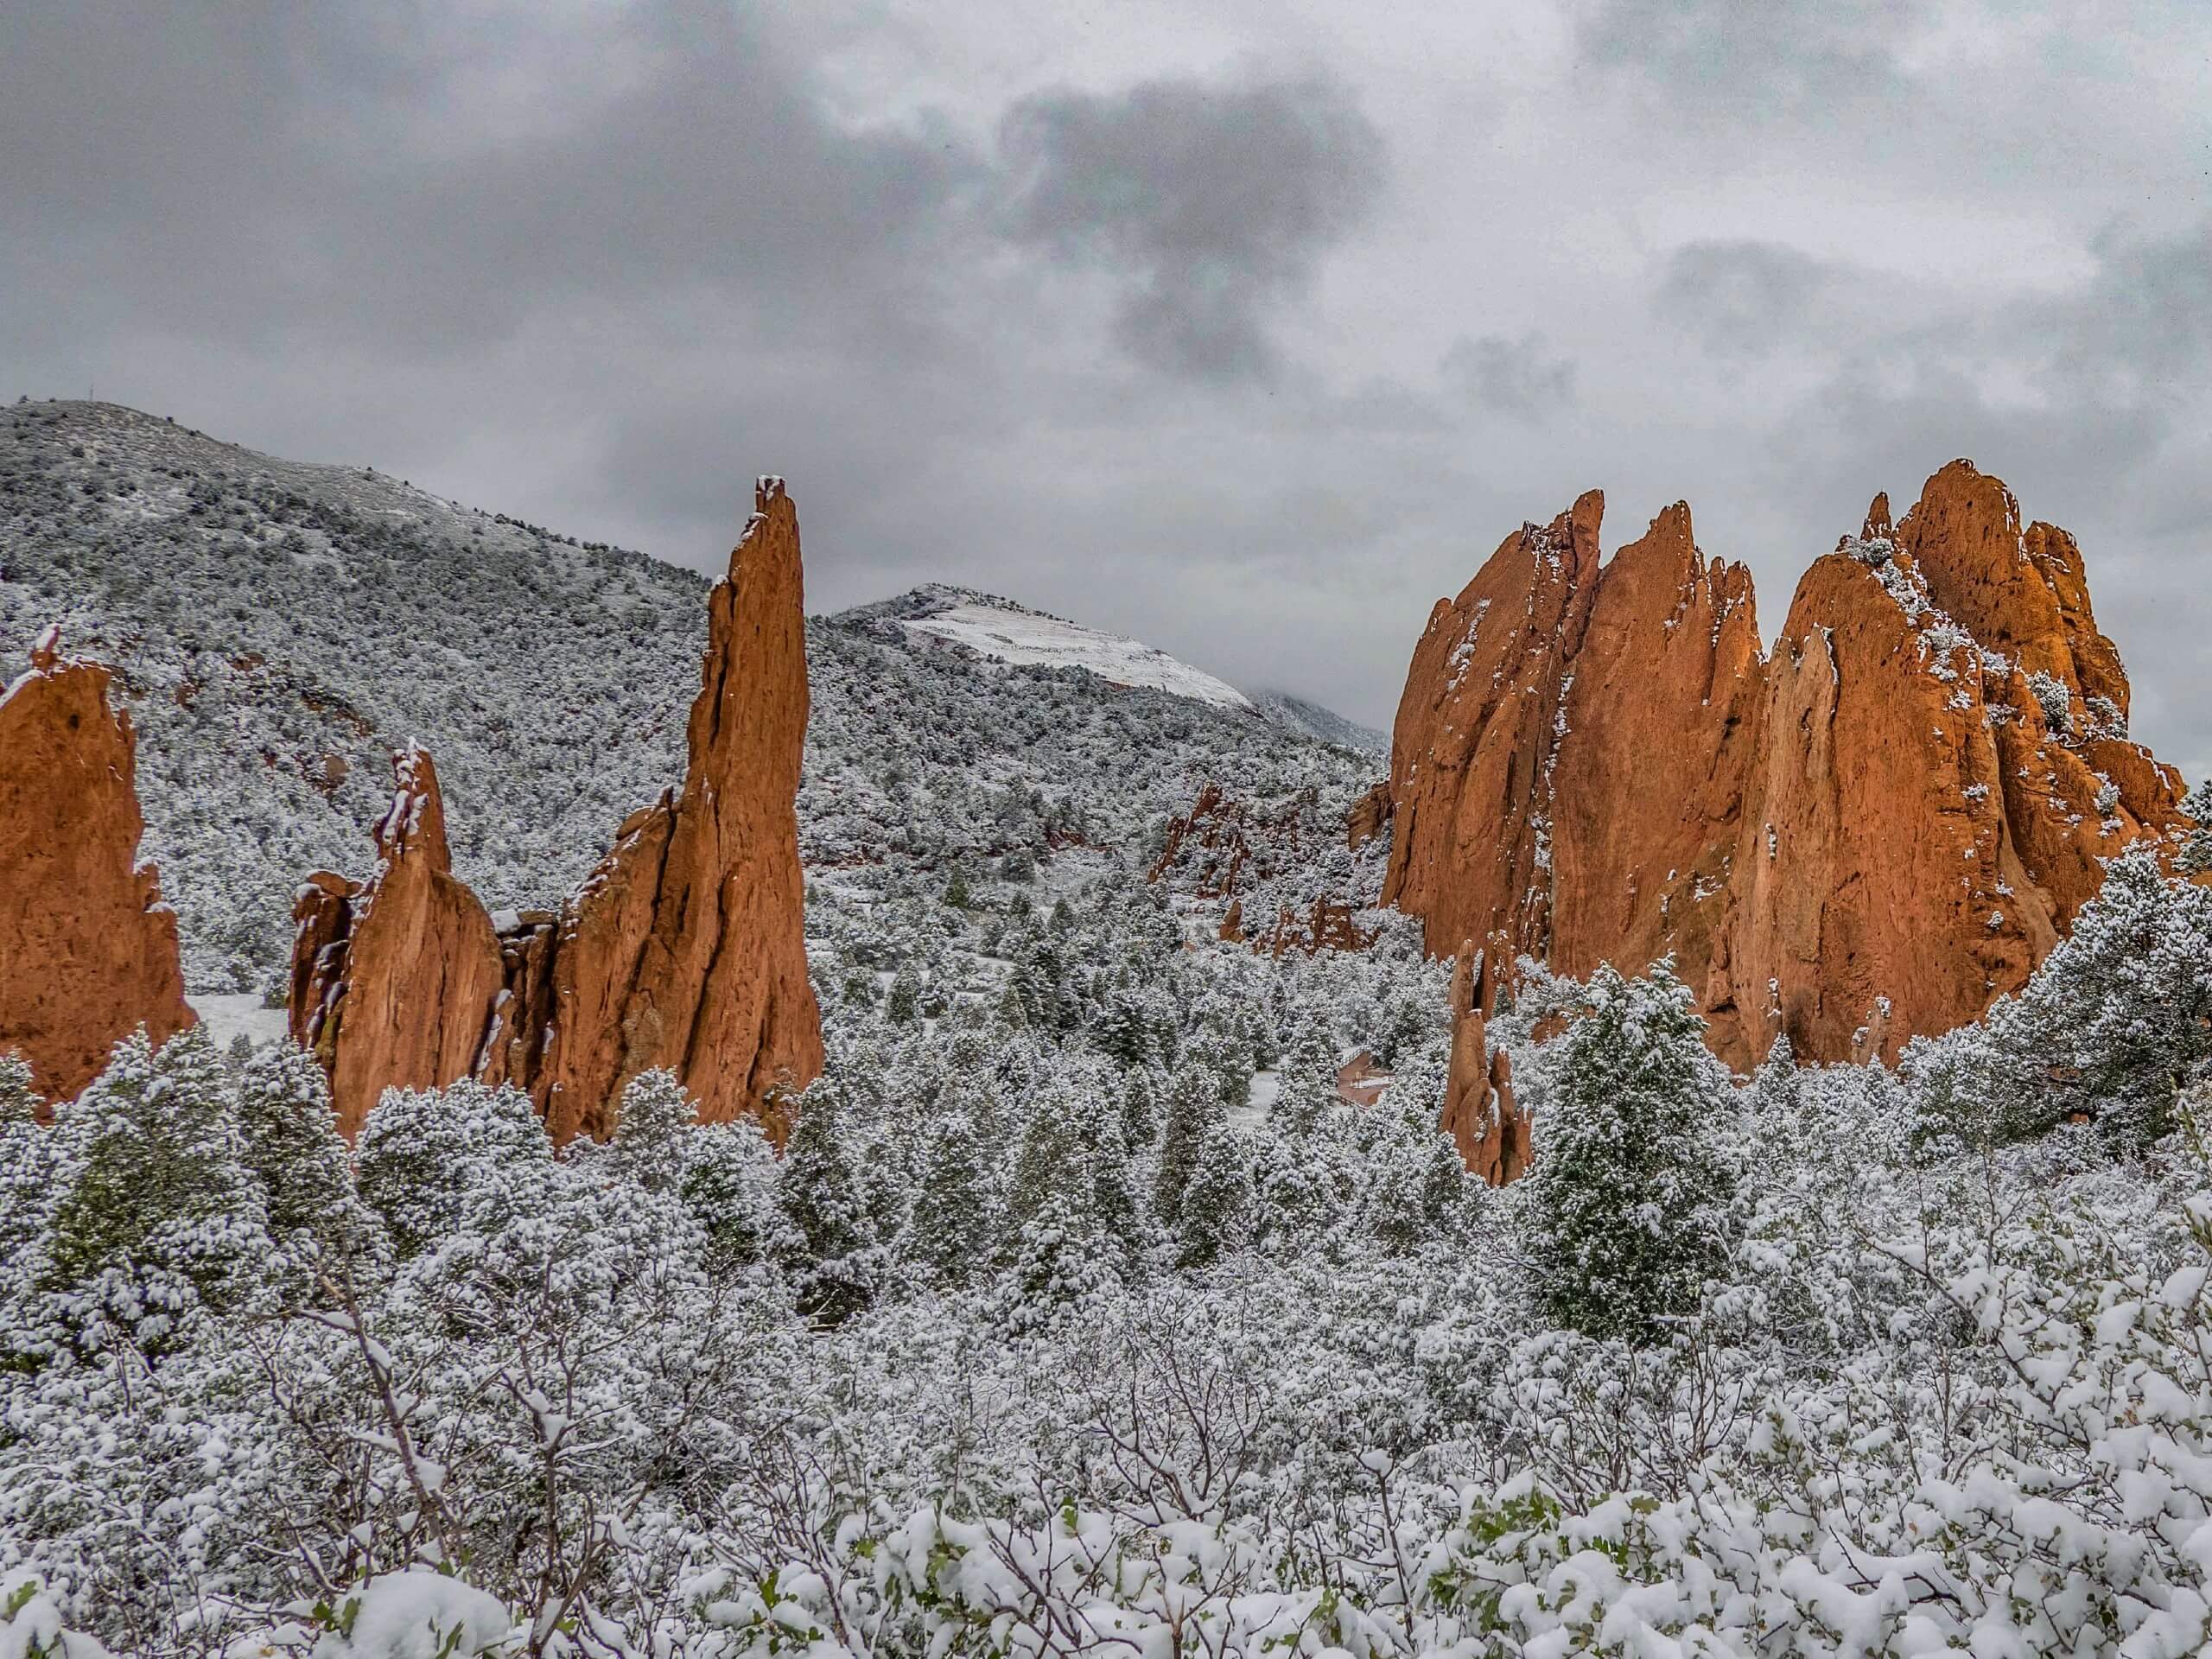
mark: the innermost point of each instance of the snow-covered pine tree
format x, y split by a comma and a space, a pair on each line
1194, 1110
824, 1191
293, 1148
1634, 1168
652, 1123
1219, 1199
953, 1224
2196, 855
425, 1154
728, 1179
156, 1174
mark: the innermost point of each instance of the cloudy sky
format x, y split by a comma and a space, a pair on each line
1248, 327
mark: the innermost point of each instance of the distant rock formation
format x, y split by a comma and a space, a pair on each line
685, 949
394, 981
88, 951
1224, 850
1870, 833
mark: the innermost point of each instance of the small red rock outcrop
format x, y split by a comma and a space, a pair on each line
1224, 850
685, 949
1480, 1115
1869, 833
88, 953
394, 983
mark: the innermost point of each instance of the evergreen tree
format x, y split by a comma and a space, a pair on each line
1306, 1090
2195, 856
728, 1179
427, 1156
953, 1222
1194, 1110
825, 1197
651, 1125
1219, 1199
1632, 1176
1140, 1108
903, 1005
1057, 1274
155, 1171
294, 1149
19, 1100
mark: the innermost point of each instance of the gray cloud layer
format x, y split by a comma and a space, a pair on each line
1222, 324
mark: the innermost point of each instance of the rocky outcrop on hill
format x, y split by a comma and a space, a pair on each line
1224, 850
394, 981
88, 953
685, 949
1869, 833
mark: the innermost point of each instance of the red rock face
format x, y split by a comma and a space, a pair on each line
395, 982
88, 951
1656, 740
685, 949
1480, 1115
1471, 753
1868, 834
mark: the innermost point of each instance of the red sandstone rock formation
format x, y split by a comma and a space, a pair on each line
1221, 848
88, 949
1871, 833
1480, 1114
685, 949
395, 982
1660, 720
1478, 728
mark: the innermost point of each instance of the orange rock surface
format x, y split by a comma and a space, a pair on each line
1868, 833
88, 951
685, 949
395, 982
1480, 1115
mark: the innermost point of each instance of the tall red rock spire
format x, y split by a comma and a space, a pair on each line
684, 949
88, 951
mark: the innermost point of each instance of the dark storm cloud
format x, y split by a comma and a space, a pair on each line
302, 167
1210, 204
1741, 299
1520, 378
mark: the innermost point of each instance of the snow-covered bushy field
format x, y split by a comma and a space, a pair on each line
1045, 1336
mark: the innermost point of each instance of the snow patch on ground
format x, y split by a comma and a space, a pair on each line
1024, 638
226, 1017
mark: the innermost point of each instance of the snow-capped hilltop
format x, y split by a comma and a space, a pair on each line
1001, 631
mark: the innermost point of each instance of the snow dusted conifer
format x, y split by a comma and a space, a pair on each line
1632, 1176
728, 1179
1058, 1274
953, 1224
1218, 1198
825, 1197
155, 1173
902, 1004
651, 1125
18, 1099
1140, 1108
2195, 856
1194, 1110
1306, 1094
294, 1149
425, 1153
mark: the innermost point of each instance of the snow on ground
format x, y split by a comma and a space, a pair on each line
226, 1016
1024, 637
